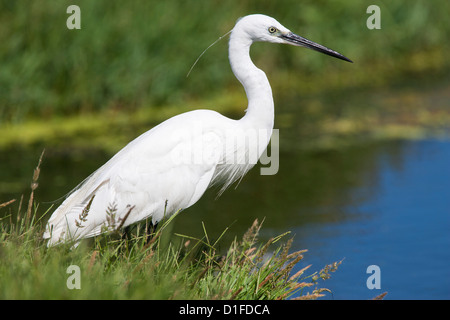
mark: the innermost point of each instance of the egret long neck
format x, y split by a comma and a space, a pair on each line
260, 110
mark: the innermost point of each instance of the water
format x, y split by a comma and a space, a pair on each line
384, 204
403, 227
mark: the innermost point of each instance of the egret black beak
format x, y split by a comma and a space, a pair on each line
296, 40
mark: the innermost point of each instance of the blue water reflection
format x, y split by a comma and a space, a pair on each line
403, 227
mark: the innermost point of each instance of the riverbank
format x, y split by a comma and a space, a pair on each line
318, 121
168, 267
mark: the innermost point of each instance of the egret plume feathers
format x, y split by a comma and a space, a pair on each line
220, 38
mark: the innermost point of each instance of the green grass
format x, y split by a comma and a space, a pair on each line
125, 70
172, 266
136, 54
169, 266
320, 122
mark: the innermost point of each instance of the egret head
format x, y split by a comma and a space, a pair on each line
258, 27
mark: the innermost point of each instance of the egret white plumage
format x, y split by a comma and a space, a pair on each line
169, 167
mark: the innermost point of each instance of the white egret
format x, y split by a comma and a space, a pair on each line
169, 167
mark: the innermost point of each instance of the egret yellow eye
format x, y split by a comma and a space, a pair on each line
272, 29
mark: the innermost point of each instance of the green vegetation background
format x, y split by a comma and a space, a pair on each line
126, 69
136, 54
